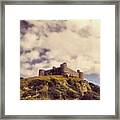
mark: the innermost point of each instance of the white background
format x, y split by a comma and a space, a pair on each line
13, 104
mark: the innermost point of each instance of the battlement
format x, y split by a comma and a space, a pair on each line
62, 70
64, 65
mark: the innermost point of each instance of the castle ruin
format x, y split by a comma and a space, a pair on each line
62, 70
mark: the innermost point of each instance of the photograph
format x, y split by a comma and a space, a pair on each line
61, 55
60, 59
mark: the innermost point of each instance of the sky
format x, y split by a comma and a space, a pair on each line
48, 43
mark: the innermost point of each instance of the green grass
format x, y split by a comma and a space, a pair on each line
54, 87
49, 77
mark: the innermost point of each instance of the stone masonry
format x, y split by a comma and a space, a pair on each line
62, 70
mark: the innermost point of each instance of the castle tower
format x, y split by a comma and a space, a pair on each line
54, 67
63, 68
81, 75
41, 72
64, 65
54, 70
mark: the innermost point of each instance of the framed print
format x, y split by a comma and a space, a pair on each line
60, 59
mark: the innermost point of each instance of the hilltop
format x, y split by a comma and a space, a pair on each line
58, 87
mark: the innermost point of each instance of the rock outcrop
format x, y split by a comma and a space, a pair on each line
58, 88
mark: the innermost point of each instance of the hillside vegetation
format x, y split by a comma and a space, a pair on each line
57, 87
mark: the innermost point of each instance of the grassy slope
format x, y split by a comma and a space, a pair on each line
49, 77
57, 87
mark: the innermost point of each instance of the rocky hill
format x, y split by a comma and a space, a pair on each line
57, 87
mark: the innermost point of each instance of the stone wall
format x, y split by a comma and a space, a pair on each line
41, 72
62, 70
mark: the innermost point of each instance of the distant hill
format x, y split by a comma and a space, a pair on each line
94, 78
57, 87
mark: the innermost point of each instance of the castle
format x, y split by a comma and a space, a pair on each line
62, 70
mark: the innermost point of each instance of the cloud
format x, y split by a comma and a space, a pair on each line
49, 43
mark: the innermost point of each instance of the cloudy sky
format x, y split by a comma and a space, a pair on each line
47, 43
